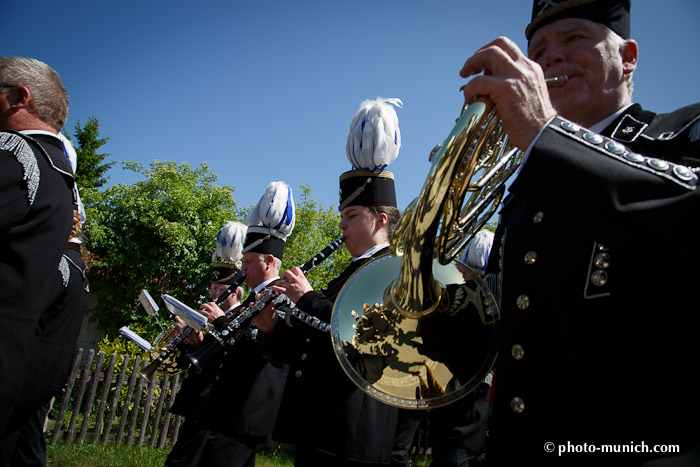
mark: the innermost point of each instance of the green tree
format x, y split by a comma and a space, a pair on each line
315, 228
91, 172
157, 234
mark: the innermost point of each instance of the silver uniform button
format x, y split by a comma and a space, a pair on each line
517, 404
304, 356
298, 373
684, 173
614, 147
634, 157
307, 340
530, 257
517, 351
593, 138
658, 164
602, 260
537, 218
570, 127
599, 278
523, 302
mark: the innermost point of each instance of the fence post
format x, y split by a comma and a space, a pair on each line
168, 415
115, 398
58, 426
106, 385
94, 379
84, 378
137, 403
127, 400
147, 410
155, 422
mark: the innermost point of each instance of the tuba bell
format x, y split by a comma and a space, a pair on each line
418, 329
168, 364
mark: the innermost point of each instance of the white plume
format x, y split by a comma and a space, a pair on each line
229, 242
70, 151
275, 210
477, 253
374, 139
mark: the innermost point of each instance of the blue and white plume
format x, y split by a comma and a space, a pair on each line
275, 210
229, 242
477, 252
374, 139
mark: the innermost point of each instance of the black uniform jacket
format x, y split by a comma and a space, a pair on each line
322, 409
599, 295
248, 386
36, 215
194, 391
57, 331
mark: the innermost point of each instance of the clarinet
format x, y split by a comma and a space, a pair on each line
242, 321
180, 338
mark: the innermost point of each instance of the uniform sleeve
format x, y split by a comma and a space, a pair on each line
591, 170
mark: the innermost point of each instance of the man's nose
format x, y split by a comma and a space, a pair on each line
552, 56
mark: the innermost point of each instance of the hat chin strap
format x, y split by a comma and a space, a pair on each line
358, 191
256, 243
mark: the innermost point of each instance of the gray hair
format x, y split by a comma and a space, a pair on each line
617, 44
276, 261
48, 94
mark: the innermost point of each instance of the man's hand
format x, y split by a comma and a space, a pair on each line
195, 339
294, 285
212, 311
515, 84
266, 319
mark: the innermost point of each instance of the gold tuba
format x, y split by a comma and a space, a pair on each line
418, 329
168, 364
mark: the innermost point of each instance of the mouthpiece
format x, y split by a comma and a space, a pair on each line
557, 81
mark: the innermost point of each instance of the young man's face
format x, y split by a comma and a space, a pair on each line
360, 227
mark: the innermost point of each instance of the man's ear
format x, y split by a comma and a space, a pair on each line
19, 97
629, 54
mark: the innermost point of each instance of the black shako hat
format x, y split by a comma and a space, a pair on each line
223, 273
373, 142
615, 14
361, 187
262, 240
276, 212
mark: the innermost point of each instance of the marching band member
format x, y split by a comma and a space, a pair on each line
242, 406
38, 198
327, 418
192, 396
598, 339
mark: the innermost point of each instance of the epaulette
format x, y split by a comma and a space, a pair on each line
638, 123
18, 146
676, 173
668, 126
64, 270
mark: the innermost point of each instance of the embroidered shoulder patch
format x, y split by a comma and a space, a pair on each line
25, 156
64, 269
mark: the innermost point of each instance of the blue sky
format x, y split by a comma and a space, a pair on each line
265, 90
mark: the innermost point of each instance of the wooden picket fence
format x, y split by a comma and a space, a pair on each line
100, 405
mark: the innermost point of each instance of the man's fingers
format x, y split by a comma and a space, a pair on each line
479, 86
491, 58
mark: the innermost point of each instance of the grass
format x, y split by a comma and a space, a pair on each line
107, 455
111, 455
